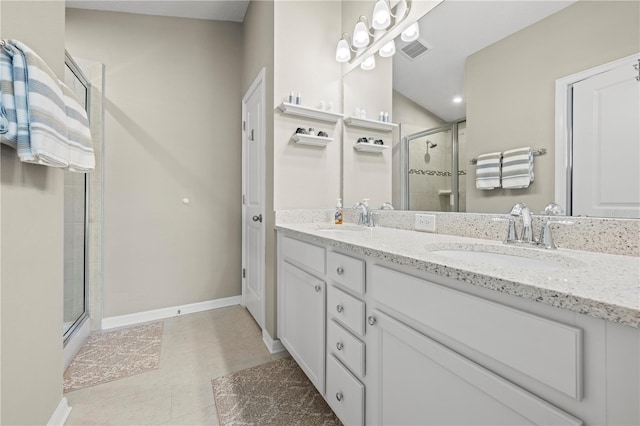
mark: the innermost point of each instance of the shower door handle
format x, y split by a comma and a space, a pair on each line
257, 218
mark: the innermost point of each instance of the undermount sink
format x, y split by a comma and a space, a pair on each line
507, 256
341, 228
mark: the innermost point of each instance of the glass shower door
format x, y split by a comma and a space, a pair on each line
75, 224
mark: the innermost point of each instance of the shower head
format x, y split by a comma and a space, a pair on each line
431, 145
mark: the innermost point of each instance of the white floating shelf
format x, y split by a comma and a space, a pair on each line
303, 139
369, 124
316, 114
369, 147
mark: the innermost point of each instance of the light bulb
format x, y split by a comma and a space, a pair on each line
457, 99
381, 15
411, 33
389, 49
343, 53
369, 63
360, 35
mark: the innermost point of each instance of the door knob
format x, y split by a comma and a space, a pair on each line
257, 218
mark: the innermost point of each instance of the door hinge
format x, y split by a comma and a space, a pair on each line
250, 137
243, 200
244, 125
244, 273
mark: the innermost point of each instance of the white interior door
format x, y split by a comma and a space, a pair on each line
253, 178
606, 144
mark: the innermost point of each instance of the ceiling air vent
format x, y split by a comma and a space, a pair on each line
415, 49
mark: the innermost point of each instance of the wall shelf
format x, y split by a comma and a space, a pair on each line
369, 147
367, 123
303, 139
316, 114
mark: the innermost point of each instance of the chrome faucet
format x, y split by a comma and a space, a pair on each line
546, 238
366, 215
521, 209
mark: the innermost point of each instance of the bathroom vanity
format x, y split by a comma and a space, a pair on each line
399, 327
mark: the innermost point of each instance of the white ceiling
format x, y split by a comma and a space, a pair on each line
455, 30
218, 10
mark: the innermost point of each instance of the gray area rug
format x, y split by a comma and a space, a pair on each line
275, 393
114, 355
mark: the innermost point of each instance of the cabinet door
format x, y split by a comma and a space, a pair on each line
417, 381
301, 320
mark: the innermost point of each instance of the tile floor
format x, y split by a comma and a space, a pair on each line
195, 349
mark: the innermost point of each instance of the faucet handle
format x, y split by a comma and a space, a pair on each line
553, 209
386, 206
546, 238
512, 234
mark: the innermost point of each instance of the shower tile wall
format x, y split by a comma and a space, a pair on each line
424, 189
463, 165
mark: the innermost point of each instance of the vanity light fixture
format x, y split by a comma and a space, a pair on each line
343, 50
369, 63
381, 15
388, 50
411, 33
361, 36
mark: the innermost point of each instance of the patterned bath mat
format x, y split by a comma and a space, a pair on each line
114, 355
275, 393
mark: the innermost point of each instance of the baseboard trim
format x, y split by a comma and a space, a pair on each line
60, 415
157, 314
274, 346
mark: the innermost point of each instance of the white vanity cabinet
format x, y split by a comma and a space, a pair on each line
409, 347
301, 306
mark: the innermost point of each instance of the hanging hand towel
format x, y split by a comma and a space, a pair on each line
81, 155
14, 106
488, 171
48, 134
517, 168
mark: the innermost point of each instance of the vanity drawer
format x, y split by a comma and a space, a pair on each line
347, 271
346, 309
303, 253
546, 350
345, 393
346, 347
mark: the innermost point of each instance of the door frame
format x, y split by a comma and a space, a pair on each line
260, 80
564, 128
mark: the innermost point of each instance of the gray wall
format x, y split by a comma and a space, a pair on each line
32, 241
172, 131
510, 88
258, 53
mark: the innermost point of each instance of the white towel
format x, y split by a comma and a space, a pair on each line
517, 168
81, 155
48, 133
488, 171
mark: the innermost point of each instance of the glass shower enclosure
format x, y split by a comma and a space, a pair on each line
75, 223
433, 169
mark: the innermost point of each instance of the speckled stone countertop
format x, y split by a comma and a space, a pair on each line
604, 286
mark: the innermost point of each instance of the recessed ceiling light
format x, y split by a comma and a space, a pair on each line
457, 99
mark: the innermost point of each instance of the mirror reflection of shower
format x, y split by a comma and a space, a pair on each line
435, 179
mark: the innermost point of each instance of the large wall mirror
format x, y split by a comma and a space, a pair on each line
482, 78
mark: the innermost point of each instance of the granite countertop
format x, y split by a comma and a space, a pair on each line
604, 286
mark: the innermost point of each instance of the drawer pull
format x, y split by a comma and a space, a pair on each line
339, 346
317, 288
371, 320
340, 271
339, 396
339, 308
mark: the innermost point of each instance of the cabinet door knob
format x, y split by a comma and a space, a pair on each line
317, 288
340, 270
339, 396
339, 346
339, 308
371, 320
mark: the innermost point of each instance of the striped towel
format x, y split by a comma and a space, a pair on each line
488, 171
48, 134
8, 121
81, 155
517, 168
14, 98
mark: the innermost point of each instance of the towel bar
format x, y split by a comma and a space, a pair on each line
535, 152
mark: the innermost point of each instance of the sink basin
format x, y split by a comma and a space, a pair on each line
341, 228
507, 256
